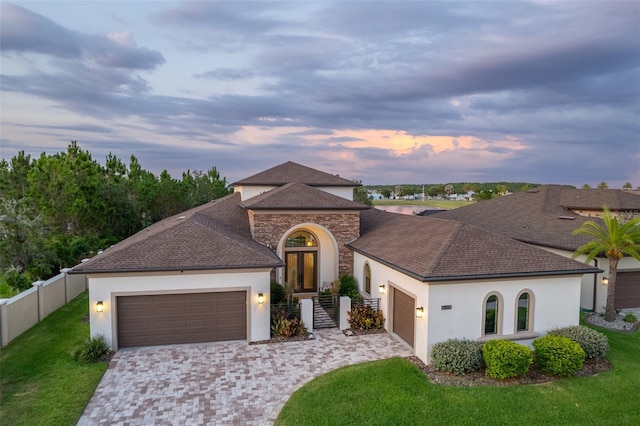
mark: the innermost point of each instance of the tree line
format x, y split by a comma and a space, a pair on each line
441, 189
58, 209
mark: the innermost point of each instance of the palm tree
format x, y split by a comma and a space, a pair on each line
616, 239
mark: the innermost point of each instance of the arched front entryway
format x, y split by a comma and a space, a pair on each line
301, 258
312, 251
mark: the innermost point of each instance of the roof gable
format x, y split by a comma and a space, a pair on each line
594, 199
298, 196
290, 172
434, 249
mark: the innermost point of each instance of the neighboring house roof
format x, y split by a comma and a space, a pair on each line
535, 216
594, 199
298, 196
431, 249
215, 235
293, 172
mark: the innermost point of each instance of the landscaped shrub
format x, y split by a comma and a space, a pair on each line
558, 355
630, 317
94, 349
349, 287
364, 317
594, 344
457, 356
281, 326
506, 359
277, 293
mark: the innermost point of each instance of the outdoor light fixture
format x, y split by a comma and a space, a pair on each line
605, 281
381, 288
99, 306
420, 312
261, 298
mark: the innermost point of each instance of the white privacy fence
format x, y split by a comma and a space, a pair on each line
21, 312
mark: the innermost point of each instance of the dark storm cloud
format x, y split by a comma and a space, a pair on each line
24, 31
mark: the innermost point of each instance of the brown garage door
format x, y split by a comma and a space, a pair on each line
403, 315
164, 319
627, 290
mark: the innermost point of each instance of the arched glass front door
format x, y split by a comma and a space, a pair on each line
301, 257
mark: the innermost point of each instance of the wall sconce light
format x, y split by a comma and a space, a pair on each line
99, 306
381, 289
605, 281
420, 312
261, 298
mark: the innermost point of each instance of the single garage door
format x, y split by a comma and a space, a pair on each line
627, 290
403, 315
164, 319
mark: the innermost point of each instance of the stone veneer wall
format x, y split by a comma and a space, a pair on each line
268, 228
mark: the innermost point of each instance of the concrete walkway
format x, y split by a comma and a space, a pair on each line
222, 383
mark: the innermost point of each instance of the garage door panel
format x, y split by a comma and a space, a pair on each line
403, 316
627, 290
181, 318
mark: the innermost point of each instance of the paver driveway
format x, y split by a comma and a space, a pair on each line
222, 383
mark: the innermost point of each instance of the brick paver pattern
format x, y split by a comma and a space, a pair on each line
222, 383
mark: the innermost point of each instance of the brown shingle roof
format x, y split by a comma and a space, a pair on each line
594, 199
293, 172
434, 250
215, 235
298, 196
535, 217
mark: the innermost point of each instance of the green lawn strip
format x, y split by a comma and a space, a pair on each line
40, 382
440, 204
394, 391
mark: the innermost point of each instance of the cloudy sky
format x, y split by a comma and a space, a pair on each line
384, 92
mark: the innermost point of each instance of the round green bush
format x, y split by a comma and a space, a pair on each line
349, 287
558, 355
277, 293
505, 359
594, 344
457, 356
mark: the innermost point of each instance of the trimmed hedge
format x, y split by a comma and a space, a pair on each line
348, 286
558, 355
506, 359
277, 293
457, 356
594, 344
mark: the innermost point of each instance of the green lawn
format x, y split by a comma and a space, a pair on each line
396, 392
40, 383
439, 204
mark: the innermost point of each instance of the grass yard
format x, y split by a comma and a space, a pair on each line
439, 204
395, 391
40, 383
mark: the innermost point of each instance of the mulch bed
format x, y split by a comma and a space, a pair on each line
351, 332
478, 378
303, 338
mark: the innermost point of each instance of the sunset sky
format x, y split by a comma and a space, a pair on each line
384, 92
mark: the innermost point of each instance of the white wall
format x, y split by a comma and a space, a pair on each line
586, 293
249, 191
556, 303
106, 287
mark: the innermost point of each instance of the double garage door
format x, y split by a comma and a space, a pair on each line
627, 290
164, 319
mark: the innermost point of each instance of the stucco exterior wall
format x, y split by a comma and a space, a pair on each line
107, 287
589, 283
250, 191
556, 304
270, 227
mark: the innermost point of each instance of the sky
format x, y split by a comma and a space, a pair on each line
386, 92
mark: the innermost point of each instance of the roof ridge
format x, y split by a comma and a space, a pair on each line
457, 227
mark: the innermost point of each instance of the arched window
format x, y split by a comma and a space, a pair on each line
301, 239
367, 278
524, 313
492, 315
